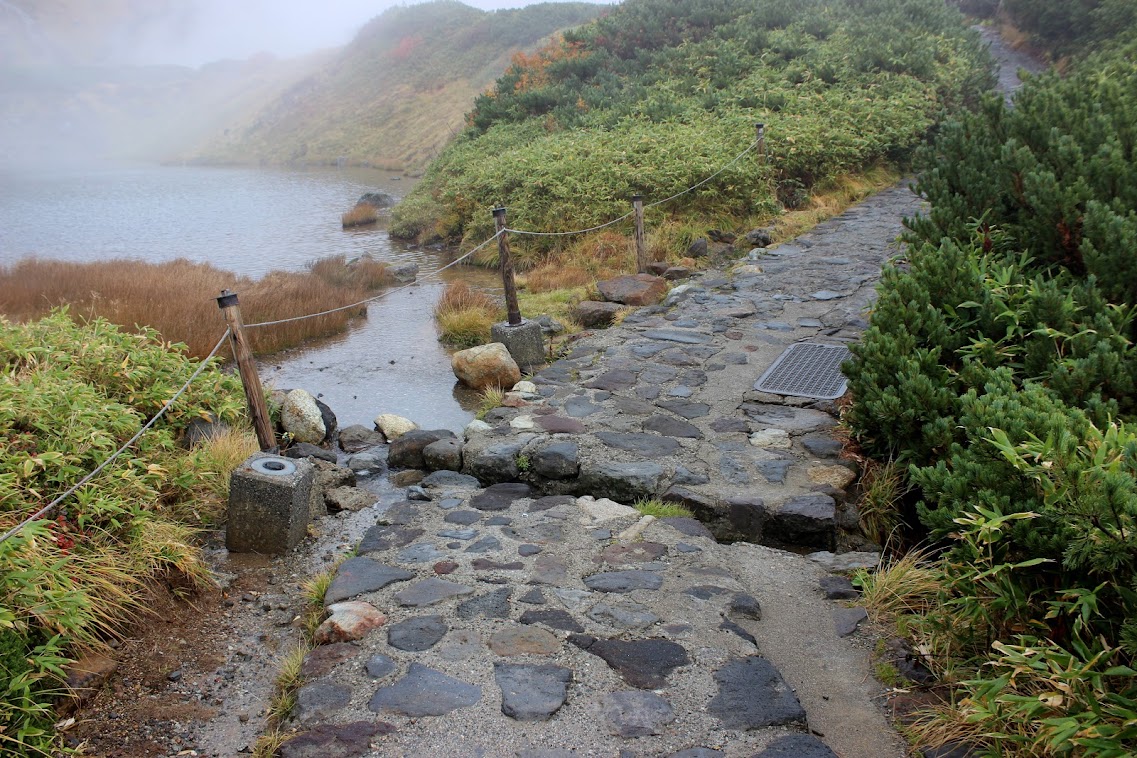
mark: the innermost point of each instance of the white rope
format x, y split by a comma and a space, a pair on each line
380, 296
169, 404
578, 231
737, 158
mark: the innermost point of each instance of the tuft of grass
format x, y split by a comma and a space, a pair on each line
465, 315
288, 681
492, 397
656, 507
122, 292
906, 586
361, 215
213, 461
881, 488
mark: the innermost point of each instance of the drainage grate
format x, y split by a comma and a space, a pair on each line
806, 370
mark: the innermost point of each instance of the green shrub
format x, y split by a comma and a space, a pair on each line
660, 94
70, 395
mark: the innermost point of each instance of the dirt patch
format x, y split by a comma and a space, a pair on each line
184, 683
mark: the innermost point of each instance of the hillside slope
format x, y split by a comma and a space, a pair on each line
659, 94
395, 95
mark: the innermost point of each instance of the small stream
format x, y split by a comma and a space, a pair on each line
252, 221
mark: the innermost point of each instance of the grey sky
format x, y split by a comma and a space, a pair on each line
216, 29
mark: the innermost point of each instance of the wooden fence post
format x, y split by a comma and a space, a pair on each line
513, 312
254, 392
641, 246
760, 135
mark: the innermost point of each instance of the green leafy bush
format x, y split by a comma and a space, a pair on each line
70, 395
660, 94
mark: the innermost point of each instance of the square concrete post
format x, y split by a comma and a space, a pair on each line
269, 498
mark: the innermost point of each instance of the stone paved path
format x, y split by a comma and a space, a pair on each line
527, 618
532, 617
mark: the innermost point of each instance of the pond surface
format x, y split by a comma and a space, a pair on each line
251, 221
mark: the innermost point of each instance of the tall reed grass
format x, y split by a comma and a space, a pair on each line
465, 315
178, 297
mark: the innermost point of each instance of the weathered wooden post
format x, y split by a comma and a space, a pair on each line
512, 310
760, 130
641, 246
523, 339
254, 392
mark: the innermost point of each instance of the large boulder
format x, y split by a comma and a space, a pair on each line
302, 418
638, 289
378, 199
486, 366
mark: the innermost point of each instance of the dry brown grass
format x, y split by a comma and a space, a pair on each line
465, 315
178, 298
360, 215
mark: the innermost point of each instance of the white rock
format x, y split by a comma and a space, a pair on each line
301, 417
635, 530
523, 423
596, 511
845, 561
393, 426
526, 387
770, 438
747, 269
676, 294
476, 427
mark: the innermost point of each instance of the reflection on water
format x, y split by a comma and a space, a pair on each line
252, 221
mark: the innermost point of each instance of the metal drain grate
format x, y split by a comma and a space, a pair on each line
807, 370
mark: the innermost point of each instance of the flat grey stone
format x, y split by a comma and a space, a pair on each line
623, 482
324, 658
826, 295
613, 380
633, 617
632, 407
685, 408
792, 420
774, 470
683, 337
572, 598
706, 591
697, 752
752, 694
647, 445
499, 497
417, 634
745, 606
499, 521
558, 460
550, 501
449, 503
648, 349
440, 479
683, 547
320, 700
459, 534
636, 714
424, 552
846, 620
670, 426
493, 605
731, 626
549, 569
623, 581
797, 746
727, 425
554, 618
644, 664
425, 692
486, 544
431, 591
655, 374
580, 407
735, 469
465, 518
358, 575
385, 537
808, 520
531, 692
525, 551
379, 666
533, 597
838, 588
821, 445
688, 526
680, 391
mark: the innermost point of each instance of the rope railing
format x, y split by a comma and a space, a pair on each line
247, 368
47, 509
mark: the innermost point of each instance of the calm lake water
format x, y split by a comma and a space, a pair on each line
252, 221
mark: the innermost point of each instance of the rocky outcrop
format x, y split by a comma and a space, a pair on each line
640, 289
486, 366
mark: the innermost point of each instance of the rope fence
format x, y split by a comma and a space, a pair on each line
50, 507
247, 367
